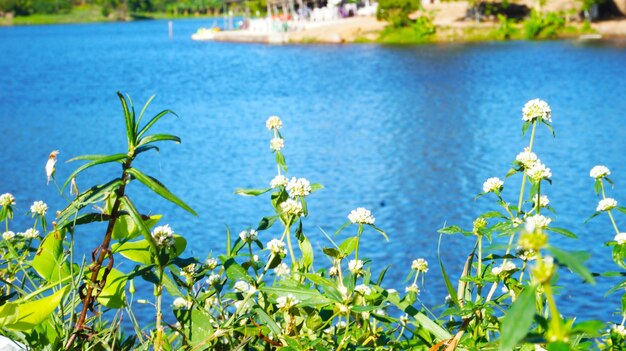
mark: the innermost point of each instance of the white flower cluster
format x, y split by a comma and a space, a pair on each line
273, 122
361, 215
355, 266
537, 222
7, 199
542, 200
527, 158
214, 279
163, 236
211, 263
619, 330
606, 204
363, 289
526, 255
244, 287
420, 265
282, 270
620, 238
535, 109
492, 184
292, 207
277, 144
599, 172
188, 271
505, 267
277, 247
8, 235
539, 171
279, 180
298, 187
180, 303
39, 208
249, 236
30, 233
412, 289
286, 302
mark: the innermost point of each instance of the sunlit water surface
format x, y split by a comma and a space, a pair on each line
408, 132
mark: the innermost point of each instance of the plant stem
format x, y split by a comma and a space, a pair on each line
158, 345
556, 321
609, 211
104, 250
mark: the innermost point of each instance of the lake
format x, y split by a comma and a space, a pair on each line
408, 132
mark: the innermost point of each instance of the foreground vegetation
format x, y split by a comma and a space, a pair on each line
268, 289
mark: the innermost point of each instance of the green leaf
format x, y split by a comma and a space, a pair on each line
93, 195
453, 229
134, 214
233, 270
307, 251
251, 192
159, 189
153, 120
85, 219
126, 228
145, 148
158, 137
32, 313
143, 110
280, 160
267, 320
573, 261
129, 119
597, 186
563, 232
525, 127
382, 232
99, 161
86, 158
137, 251
343, 226
348, 246
517, 321
266, 223
596, 214
49, 260
113, 294
446, 279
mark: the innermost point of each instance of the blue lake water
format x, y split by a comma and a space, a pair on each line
408, 132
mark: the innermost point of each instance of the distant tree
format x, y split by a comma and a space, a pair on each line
17, 7
397, 12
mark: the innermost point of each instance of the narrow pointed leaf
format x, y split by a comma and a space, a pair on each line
143, 110
129, 119
159, 189
518, 320
154, 120
158, 137
99, 161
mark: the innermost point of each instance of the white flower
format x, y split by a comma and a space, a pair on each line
279, 180
7, 199
30, 233
298, 187
404, 320
248, 236
526, 255
606, 204
277, 247
539, 348
211, 263
163, 236
274, 122
277, 144
420, 265
244, 308
363, 289
620, 330
355, 266
282, 270
214, 279
412, 289
39, 208
598, 172
292, 207
50, 165
535, 109
492, 185
8, 235
538, 172
620, 238
243, 287
188, 271
255, 258
505, 267
527, 158
333, 271
361, 215
180, 303
286, 302
537, 222
542, 200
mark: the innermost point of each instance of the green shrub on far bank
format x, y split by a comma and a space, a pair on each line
397, 12
543, 26
420, 31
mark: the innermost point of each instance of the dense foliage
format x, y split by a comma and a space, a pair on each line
268, 289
